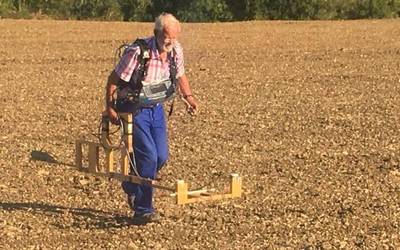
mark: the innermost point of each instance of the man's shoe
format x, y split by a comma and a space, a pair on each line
140, 219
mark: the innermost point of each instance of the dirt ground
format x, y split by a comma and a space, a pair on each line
308, 113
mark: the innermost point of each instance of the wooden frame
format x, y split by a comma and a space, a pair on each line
183, 196
109, 170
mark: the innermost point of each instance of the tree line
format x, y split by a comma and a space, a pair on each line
200, 10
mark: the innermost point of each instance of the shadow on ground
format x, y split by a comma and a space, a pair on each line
72, 217
40, 155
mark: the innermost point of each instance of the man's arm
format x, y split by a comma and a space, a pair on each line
110, 89
186, 92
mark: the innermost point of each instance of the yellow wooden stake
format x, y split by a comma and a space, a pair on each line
78, 154
127, 149
93, 157
236, 185
109, 160
127, 121
181, 192
124, 162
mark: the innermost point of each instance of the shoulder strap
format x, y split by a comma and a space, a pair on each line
140, 72
144, 49
144, 56
173, 70
172, 74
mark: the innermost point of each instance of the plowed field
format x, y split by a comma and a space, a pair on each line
308, 113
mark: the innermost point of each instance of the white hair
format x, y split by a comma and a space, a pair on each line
166, 20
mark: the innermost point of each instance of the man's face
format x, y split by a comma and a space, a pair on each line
167, 38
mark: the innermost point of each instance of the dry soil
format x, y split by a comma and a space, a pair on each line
308, 113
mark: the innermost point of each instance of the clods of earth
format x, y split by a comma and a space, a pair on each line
308, 113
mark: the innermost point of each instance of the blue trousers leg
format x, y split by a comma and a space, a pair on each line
151, 153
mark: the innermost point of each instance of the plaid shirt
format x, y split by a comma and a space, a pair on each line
157, 70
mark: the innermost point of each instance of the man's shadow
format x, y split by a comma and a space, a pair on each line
82, 217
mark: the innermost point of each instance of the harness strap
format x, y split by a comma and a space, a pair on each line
141, 71
172, 73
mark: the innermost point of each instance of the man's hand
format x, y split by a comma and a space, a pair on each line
113, 116
192, 106
187, 97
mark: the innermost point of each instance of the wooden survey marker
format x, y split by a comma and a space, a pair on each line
119, 169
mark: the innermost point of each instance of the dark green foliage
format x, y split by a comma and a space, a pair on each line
135, 10
374, 9
201, 10
205, 11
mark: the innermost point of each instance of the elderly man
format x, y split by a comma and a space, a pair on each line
165, 64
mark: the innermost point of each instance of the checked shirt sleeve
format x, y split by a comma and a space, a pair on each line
128, 63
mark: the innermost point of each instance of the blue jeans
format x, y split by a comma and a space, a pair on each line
151, 152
